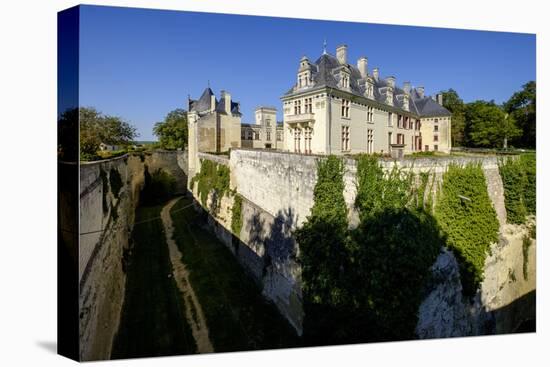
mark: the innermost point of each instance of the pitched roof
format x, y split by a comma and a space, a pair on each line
326, 73
203, 104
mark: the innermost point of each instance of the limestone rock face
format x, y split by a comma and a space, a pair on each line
443, 312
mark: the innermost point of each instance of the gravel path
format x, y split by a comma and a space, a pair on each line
193, 310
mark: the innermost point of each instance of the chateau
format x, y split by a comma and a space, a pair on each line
333, 108
338, 108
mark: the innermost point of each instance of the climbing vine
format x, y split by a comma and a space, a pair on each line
236, 215
468, 219
211, 177
365, 284
378, 191
519, 181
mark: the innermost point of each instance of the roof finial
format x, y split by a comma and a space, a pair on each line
208, 83
325, 47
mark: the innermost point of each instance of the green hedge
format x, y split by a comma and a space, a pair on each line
468, 219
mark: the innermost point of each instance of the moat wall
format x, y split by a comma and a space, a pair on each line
106, 223
277, 190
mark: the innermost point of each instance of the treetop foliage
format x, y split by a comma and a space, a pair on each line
97, 128
486, 124
173, 131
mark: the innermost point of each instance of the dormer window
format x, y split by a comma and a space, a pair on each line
389, 97
344, 82
370, 90
406, 102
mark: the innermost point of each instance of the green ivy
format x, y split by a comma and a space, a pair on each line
468, 219
236, 215
365, 284
211, 177
514, 181
529, 163
378, 191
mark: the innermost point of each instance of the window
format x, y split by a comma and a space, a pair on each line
435, 148
370, 114
406, 123
400, 139
268, 122
279, 136
399, 121
297, 137
390, 119
418, 126
307, 140
436, 138
298, 107
436, 128
389, 141
345, 81
370, 90
268, 135
345, 108
370, 141
345, 138
307, 105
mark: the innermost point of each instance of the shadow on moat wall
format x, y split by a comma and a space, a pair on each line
271, 247
267, 252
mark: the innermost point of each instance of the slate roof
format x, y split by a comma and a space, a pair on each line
325, 73
202, 104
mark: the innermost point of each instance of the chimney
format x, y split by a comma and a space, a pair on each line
391, 81
362, 64
420, 91
375, 73
342, 54
227, 100
407, 87
439, 98
212, 102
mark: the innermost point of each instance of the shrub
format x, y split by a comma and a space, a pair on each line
467, 217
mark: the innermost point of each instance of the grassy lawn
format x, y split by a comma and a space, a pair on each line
152, 322
238, 317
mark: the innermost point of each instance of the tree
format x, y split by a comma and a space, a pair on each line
173, 131
522, 107
455, 105
96, 128
488, 126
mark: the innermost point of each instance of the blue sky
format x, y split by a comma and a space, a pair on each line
140, 64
